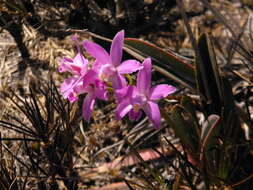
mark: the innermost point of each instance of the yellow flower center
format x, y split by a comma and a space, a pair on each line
136, 108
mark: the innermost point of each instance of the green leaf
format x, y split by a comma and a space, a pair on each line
216, 90
210, 131
187, 103
169, 63
183, 125
209, 80
209, 141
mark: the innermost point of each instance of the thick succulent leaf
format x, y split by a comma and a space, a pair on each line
174, 66
183, 126
210, 131
188, 104
216, 89
227, 98
209, 143
208, 77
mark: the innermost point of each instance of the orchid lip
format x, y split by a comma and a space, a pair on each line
136, 108
106, 71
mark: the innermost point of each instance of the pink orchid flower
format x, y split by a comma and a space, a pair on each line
110, 68
94, 89
83, 81
78, 67
143, 97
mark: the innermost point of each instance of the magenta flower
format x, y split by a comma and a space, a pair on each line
78, 67
110, 68
84, 80
134, 99
94, 89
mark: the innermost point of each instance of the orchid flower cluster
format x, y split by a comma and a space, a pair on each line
108, 70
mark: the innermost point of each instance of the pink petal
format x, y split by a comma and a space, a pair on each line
76, 41
116, 48
89, 78
148, 67
96, 51
161, 91
101, 94
72, 97
129, 66
122, 109
88, 105
74, 37
123, 93
120, 93
96, 65
67, 86
152, 111
100, 90
135, 116
80, 63
106, 71
80, 89
144, 76
65, 65
118, 81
